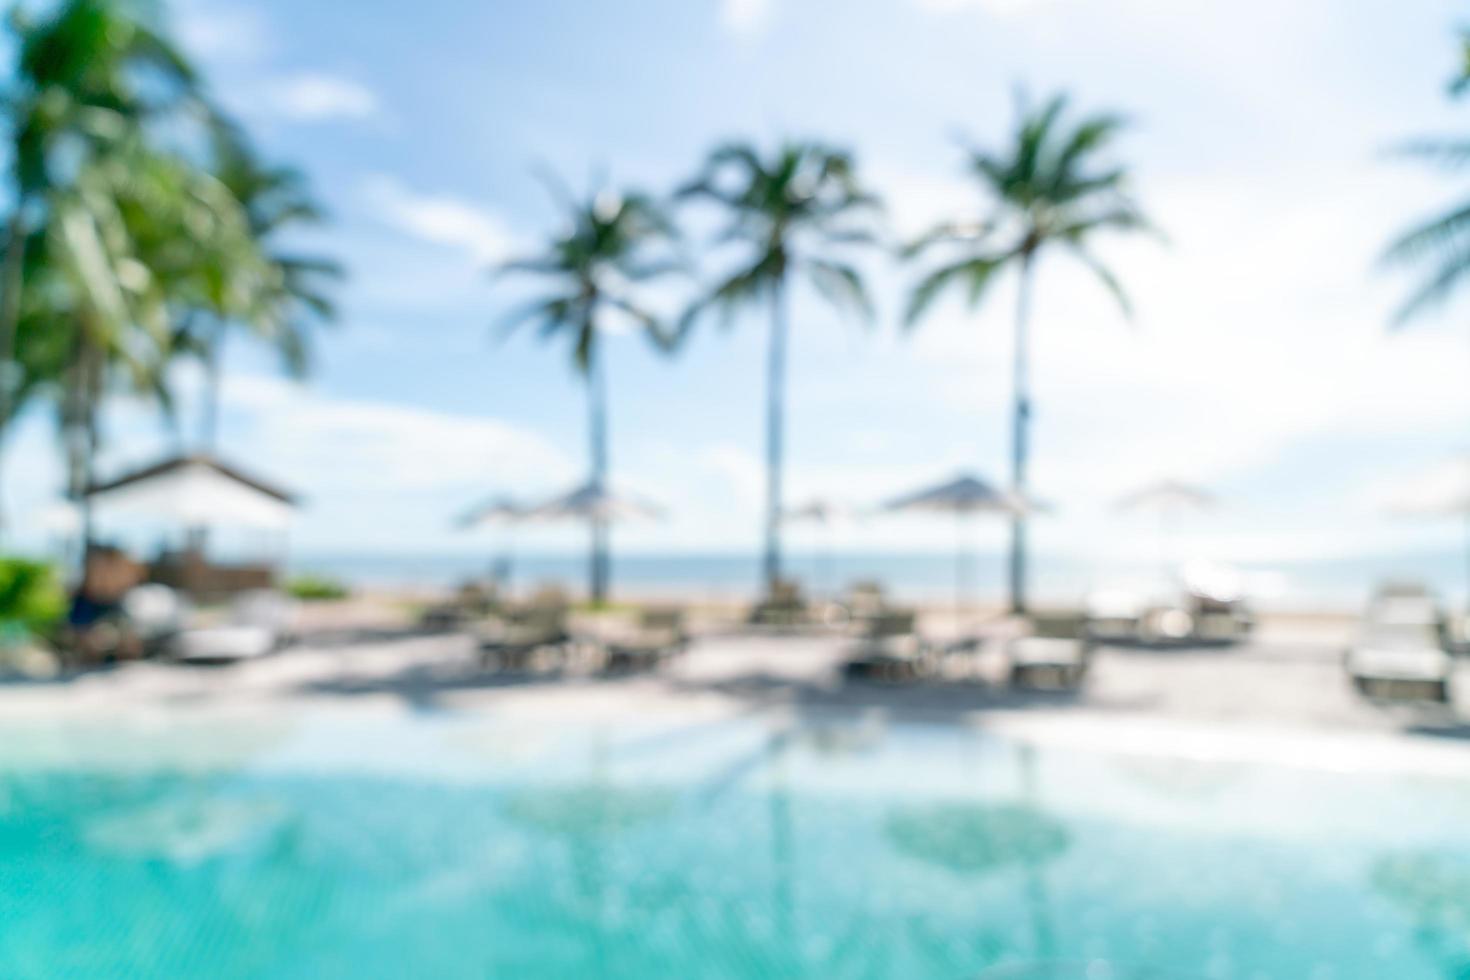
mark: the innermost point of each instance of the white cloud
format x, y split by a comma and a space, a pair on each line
341, 448
737, 469
1252, 336
371, 474
321, 97
224, 32
440, 219
745, 17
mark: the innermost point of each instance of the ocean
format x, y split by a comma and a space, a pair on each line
1338, 583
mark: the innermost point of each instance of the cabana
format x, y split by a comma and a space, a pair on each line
198, 493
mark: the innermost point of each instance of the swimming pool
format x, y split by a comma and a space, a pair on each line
457, 847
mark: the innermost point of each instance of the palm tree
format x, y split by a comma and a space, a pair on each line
135, 233
608, 248
1047, 192
792, 212
89, 77
293, 293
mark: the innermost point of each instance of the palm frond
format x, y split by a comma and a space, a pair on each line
1447, 232
1453, 271
947, 233
974, 273
1107, 278
548, 311
1452, 153
842, 286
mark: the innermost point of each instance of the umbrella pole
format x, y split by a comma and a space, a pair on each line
1467, 563
959, 577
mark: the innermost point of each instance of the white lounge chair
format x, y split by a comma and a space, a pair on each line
1402, 654
259, 623
1054, 656
156, 613
890, 649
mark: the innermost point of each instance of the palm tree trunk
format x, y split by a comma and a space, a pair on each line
775, 412
1020, 433
80, 424
9, 327
600, 565
209, 409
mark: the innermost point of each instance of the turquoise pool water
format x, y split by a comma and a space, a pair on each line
458, 849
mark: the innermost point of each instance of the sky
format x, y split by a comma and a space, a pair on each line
1259, 363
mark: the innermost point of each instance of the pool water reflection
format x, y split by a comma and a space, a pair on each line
455, 848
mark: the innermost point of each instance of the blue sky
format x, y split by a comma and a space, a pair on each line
1259, 363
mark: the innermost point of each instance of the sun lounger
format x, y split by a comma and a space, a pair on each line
471, 601
259, 623
659, 635
863, 602
156, 613
1403, 653
515, 641
785, 606
1055, 654
890, 649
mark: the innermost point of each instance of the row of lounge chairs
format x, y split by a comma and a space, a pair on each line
539, 634
155, 620
1053, 654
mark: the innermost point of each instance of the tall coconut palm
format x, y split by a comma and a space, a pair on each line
793, 213
89, 77
1047, 192
133, 234
611, 244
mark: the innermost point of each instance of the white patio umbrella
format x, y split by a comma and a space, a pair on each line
1169, 501
964, 497
198, 493
1443, 492
595, 502
499, 512
826, 514
195, 492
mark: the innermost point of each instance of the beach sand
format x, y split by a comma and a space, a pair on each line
1281, 696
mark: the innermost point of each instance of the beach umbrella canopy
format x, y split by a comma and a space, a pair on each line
1443, 492
1167, 500
494, 512
1168, 497
826, 514
500, 512
964, 494
195, 491
595, 501
818, 510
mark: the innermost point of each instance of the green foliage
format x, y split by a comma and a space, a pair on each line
793, 212
1440, 246
612, 243
31, 596
316, 588
1047, 189
124, 237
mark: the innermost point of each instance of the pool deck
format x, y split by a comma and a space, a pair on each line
1281, 696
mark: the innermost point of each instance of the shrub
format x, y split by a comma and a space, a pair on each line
314, 588
31, 596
